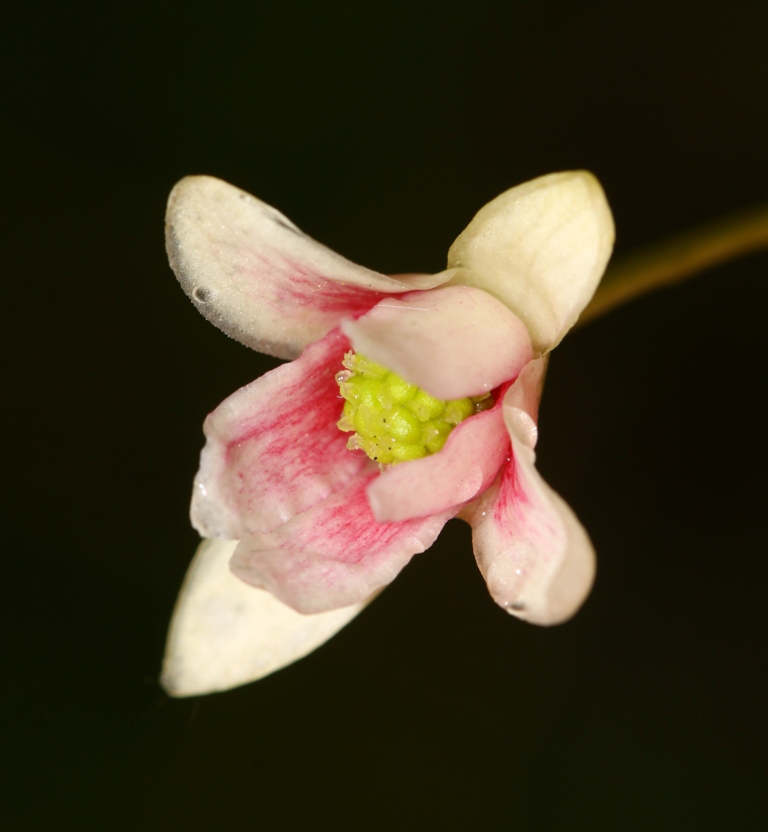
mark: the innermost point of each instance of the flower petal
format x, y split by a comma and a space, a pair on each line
462, 469
257, 277
541, 248
452, 342
225, 633
535, 556
335, 554
273, 447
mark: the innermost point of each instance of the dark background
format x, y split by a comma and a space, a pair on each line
380, 129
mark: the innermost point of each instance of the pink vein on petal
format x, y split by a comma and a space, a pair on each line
304, 289
334, 554
273, 448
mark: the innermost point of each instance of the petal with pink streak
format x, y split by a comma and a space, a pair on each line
255, 275
452, 342
273, 447
465, 467
536, 557
335, 554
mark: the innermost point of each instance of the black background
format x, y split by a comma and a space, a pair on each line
380, 129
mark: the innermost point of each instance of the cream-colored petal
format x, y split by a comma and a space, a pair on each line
251, 272
541, 248
225, 633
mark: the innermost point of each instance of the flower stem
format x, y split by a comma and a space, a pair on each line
677, 258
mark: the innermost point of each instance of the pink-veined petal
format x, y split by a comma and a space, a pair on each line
251, 272
225, 633
536, 557
541, 248
452, 342
465, 466
273, 447
335, 554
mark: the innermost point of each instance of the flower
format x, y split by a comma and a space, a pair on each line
281, 499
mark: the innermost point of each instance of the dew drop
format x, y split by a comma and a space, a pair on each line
200, 294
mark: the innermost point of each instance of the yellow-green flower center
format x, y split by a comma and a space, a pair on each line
393, 420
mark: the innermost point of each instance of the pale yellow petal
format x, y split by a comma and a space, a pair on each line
540, 248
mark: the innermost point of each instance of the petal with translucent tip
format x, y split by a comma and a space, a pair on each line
534, 554
452, 342
273, 447
541, 248
335, 554
465, 466
255, 275
225, 633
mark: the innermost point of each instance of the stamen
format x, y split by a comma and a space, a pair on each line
392, 420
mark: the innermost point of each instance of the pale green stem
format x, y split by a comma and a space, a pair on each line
677, 258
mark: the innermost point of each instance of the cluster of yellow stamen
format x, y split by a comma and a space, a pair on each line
393, 420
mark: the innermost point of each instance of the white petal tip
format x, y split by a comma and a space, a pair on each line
225, 633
